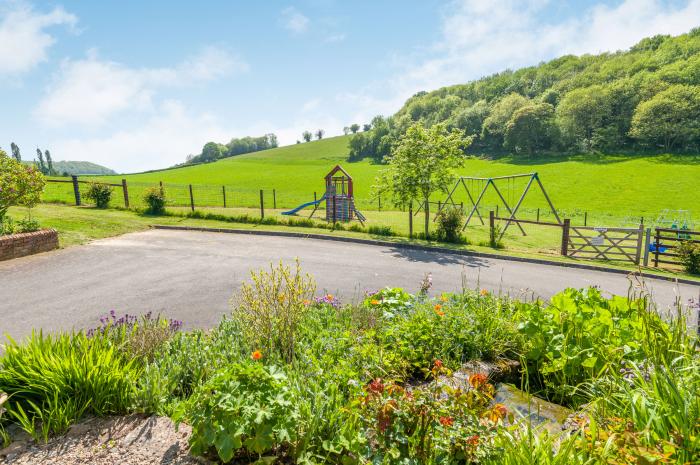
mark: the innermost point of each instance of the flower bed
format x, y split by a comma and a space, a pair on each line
20, 245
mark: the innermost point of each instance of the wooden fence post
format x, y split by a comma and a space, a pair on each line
585, 218
379, 198
315, 197
262, 206
565, 237
656, 249
191, 198
647, 242
410, 219
76, 190
274, 199
496, 210
492, 228
125, 188
223, 191
538, 215
640, 235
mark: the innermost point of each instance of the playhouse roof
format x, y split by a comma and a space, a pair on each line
336, 169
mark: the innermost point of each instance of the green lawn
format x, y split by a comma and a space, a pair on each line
615, 190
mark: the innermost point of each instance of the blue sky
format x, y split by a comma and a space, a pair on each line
138, 85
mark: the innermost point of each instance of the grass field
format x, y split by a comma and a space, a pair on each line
618, 189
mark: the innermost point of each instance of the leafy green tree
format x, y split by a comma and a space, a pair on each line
366, 127
319, 134
306, 135
15, 151
581, 113
421, 163
19, 184
346, 130
211, 151
670, 119
471, 119
354, 128
40, 157
494, 127
531, 129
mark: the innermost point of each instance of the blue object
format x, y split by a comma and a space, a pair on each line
304, 205
652, 248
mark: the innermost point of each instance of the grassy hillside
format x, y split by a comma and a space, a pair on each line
81, 167
617, 186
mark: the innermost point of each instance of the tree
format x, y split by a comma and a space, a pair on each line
319, 134
49, 163
366, 127
670, 119
306, 135
354, 127
210, 152
15, 151
494, 127
581, 113
42, 165
531, 129
422, 163
346, 130
19, 184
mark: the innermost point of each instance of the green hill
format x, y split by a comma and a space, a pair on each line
620, 186
644, 98
81, 167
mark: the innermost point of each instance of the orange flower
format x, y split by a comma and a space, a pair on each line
307, 302
438, 363
498, 412
374, 302
329, 297
376, 386
438, 307
477, 379
473, 440
446, 421
440, 313
484, 292
257, 355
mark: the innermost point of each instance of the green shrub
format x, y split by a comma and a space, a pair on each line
270, 309
244, 412
301, 222
449, 225
689, 256
54, 380
28, 225
380, 230
7, 226
155, 200
19, 184
100, 193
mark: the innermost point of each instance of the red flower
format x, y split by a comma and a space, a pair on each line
473, 440
376, 386
477, 380
438, 363
257, 355
446, 421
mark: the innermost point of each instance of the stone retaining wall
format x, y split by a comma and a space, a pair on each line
19, 245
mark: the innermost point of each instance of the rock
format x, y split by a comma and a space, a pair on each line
527, 408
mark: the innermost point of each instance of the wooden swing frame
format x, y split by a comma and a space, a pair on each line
492, 182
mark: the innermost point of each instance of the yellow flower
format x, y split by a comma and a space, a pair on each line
484, 292
374, 302
329, 297
306, 302
443, 298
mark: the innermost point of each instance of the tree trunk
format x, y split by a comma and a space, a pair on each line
427, 219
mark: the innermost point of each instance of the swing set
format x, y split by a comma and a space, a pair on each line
481, 185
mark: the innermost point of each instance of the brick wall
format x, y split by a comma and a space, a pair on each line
19, 245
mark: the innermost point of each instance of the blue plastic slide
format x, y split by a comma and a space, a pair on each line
304, 205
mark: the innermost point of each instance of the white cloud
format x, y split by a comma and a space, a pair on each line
294, 21
24, 42
91, 90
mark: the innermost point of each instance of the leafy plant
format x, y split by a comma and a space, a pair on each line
270, 309
100, 193
689, 256
245, 411
155, 199
19, 184
7, 226
28, 225
449, 225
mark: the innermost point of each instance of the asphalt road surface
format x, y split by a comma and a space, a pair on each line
191, 276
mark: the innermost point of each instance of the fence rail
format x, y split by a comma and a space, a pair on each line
660, 248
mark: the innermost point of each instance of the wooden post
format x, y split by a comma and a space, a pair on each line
496, 209
538, 215
565, 237
262, 205
223, 191
585, 218
334, 212
379, 198
76, 190
410, 220
647, 242
274, 199
191, 198
638, 256
492, 228
656, 249
161, 186
125, 189
315, 197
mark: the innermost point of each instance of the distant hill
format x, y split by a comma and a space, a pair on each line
81, 167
